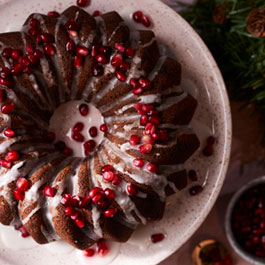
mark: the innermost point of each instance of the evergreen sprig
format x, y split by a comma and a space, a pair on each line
240, 55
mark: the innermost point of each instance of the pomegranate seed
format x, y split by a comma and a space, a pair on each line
72, 25
132, 190
78, 137
146, 148
24, 61
73, 33
208, 150
155, 238
98, 197
7, 108
78, 61
82, 3
107, 168
9, 133
89, 146
101, 59
51, 136
82, 51
135, 140
147, 107
133, 83
30, 48
163, 135
85, 202
105, 50
1, 95
117, 180
66, 199
83, 109
12, 156
98, 70
90, 252
5, 73
116, 61
155, 136
6, 82
70, 46
68, 151
69, 210
49, 49
53, 14
80, 222
94, 50
121, 76
152, 168
196, 190
5, 163
120, 47
18, 195
75, 201
96, 13
33, 32
193, 175
143, 120
124, 66
211, 140
47, 38
22, 184
27, 69
148, 139
109, 213
79, 126
34, 23
154, 120
93, 192
102, 248
38, 38
109, 193
137, 16
17, 70
130, 52
138, 162
15, 54
149, 129
7, 52
145, 83
38, 54
103, 127
108, 176
24, 232
138, 91
49, 191
75, 215
32, 59
93, 131
146, 21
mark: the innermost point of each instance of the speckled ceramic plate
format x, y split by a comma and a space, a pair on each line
184, 213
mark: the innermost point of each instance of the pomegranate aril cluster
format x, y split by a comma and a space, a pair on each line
140, 17
209, 148
109, 174
248, 221
10, 157
22, 185
22, 230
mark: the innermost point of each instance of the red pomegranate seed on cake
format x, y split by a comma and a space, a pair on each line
68, 151
34, 23
152, 168
22, 184
146, 148
193, 175
12, 156
53, 14
124, 66
132, 190
107, 168
83, 109
108, 176
79, 126
5, 163
93, 192
38, 38
17, 69
85, 202
47, 38
78, 61
33, 32
69, 210
32, 59
147, 107
7, 52
109, 213
49, 191
121, 76
102, 248
27, 69
6, 82
145, 83
130, 52
30, 48
75, 201
98, 197
76, 214
15, 54
133, 83
138, 162
80, 222
70, 45
71, 25
90, 145
163, 135
148, 139
109, 193
93, 131
78, 137
82, 51
1, 95
137, 16
24, 232
116, 61
103, 127
9, 133
96, 13
149, 129
143, 120
155, 136
82, 3
49, 49
98, 70
195, 190
117, 180
18, 194
102, 59
73, 33
120, 47
5, 72
66, 199
94, 50
155, 238
38, 54
90, 252
154, 120
135, 140
137, 91
24, 61
7, 108
106, 50
146, 21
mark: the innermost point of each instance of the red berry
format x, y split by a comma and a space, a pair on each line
121, 76
138, 162
135, 140
69, 211
146, 148
103, 127
155, 238
96, 13
137, 16
109, 193
93, 131
53, 14
90, 252
7, 108
9, 133
82, 3
146, 21
66, 199
5, 164
49, 191
152, 168
108, 176
34, 23
83, 109
22, 184
109, 213
79, 126
12, 156
18, 194
132, 190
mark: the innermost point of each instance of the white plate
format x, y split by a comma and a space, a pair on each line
186, 213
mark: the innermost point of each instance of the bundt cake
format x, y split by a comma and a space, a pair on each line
114, 183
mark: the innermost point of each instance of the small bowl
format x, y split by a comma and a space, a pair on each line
228, 224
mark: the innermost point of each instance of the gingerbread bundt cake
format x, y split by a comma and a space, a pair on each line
113, 184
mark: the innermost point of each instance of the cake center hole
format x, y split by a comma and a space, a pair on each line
77, 124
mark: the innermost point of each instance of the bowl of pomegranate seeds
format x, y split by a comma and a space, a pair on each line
245, 221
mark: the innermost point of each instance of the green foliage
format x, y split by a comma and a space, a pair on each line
240, 56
